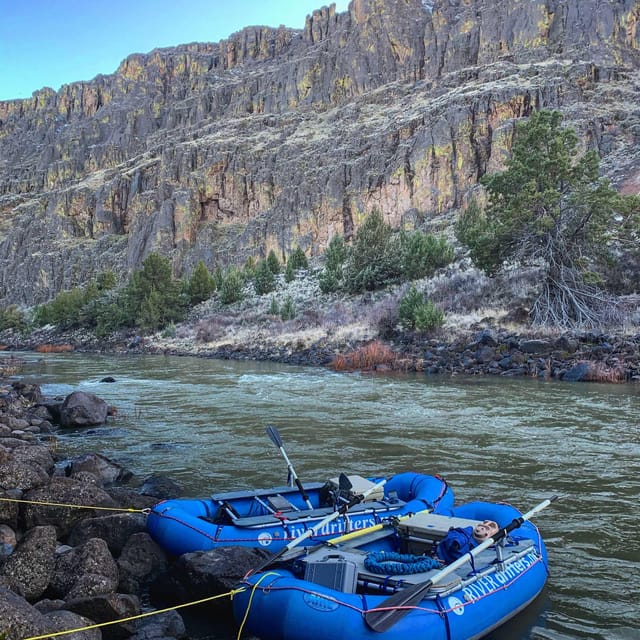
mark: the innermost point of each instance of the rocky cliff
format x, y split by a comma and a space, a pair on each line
278, 137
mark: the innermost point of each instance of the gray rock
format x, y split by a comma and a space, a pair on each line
161, 487
64, 491
115, 529
85, 571
18, 619
65, 620
32, 562
83, 409
22, 475
163, 625
108, 471
105, 608
141, 561
535, 346
202, 574
578, 373
8, 541
38, 453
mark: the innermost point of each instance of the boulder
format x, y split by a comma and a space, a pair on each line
30, 392
18, 619
63, 620
64, 491
202, 574
115, 529
8, 541
83, 409
85, 571
578, 373
32, 563
22, 475
107, 607
9, 510
107, 471
163, 625
141, 560
37, 453
535, 346
161, 487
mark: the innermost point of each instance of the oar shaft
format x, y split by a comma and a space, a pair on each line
274, 434
372, 529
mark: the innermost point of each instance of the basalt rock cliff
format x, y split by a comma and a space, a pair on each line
279, 137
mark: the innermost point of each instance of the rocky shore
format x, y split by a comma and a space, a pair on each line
74, 552
569, 356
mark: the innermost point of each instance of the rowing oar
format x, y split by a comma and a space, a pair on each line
399, 604
345, 537
277, 440
316, 527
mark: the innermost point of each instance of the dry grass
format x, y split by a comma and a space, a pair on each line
368, 357
600, 372
54, 348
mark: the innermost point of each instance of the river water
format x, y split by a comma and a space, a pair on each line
202, 422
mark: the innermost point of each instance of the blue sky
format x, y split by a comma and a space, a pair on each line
48, 43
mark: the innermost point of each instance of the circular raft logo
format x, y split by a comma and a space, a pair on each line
264, 539
456, 605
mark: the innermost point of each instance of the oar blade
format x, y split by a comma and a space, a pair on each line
395, 607
274, 434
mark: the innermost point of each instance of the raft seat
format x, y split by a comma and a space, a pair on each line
264, 493
315, 514
280, 504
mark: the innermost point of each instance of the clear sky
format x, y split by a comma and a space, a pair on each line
48, 43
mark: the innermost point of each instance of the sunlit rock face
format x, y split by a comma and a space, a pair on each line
277, 137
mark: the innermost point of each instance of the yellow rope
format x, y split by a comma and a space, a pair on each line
141, 615
75, 506
253, 590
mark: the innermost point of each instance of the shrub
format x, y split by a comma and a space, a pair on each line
288, 309
417, 312
298, 259
273, 262
289, 272
331, 277
422, 254
12, 318
264, 281
201, 284
375, 259
153, 297
65, 309
250, 268
231, 289
106, 281
274, 308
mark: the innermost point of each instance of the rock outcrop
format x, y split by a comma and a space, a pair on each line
278, 137
64, 568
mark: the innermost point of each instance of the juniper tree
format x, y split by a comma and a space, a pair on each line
550, 208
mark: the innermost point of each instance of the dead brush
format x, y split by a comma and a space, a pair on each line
600, 372
365, 358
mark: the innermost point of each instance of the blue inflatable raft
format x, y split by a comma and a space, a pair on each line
366, 587
271, 518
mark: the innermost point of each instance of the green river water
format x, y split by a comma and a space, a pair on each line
202, 422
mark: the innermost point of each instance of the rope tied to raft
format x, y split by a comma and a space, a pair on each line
393, 563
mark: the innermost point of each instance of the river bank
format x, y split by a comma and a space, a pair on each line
481, 334
568, 356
